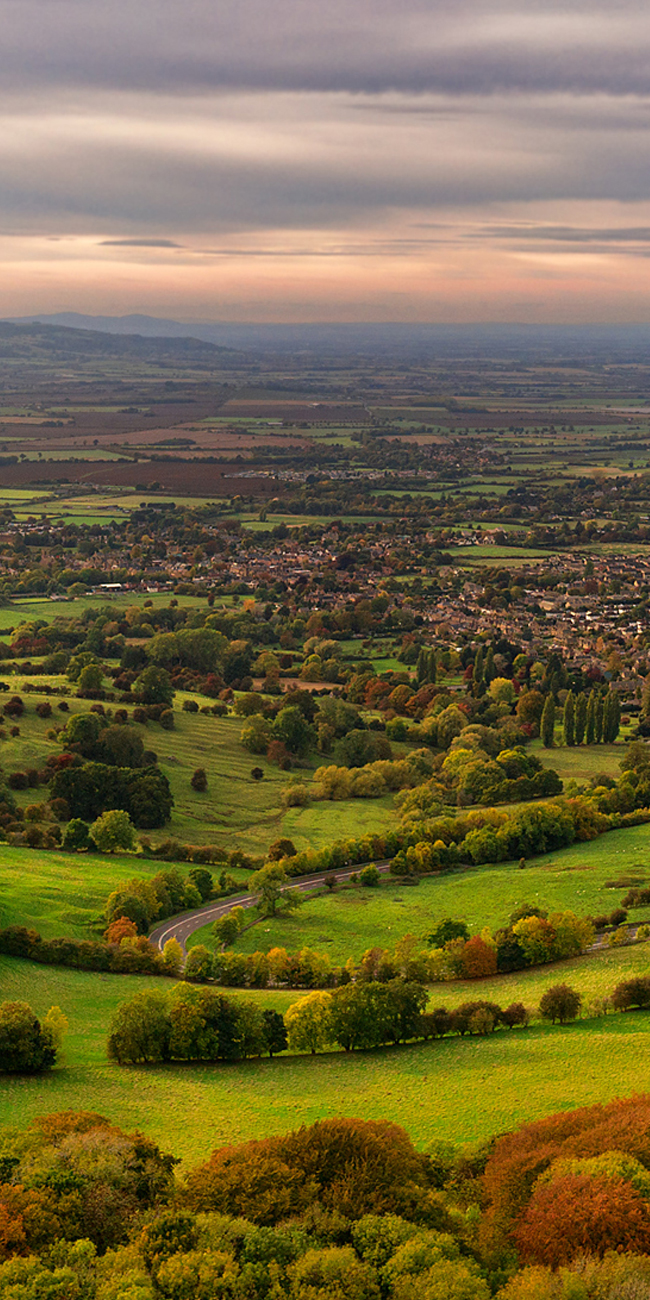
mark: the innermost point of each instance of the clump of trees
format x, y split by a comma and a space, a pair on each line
28, 1045
569, 1185
94, 788
189, 1024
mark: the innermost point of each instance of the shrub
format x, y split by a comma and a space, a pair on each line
44, 709
369, 877
167, 719
190, 706
199, 780
15, 707
632, 993
25, 1046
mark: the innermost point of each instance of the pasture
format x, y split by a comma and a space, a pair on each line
588, 879
458, 1090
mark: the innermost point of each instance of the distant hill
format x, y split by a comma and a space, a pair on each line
395, 340
51, 341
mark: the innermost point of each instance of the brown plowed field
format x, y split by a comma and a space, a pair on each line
186, 477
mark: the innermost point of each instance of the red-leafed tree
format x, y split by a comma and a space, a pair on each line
478, 959
581, 1215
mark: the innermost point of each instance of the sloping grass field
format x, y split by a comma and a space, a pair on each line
459, 1090
589, 879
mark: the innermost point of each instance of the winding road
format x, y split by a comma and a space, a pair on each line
182, 926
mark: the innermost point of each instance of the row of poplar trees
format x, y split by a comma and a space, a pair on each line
590, 719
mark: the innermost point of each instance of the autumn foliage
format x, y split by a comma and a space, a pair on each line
354, 1166
580, 1215
548, 1195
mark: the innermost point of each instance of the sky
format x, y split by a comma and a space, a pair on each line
326, 160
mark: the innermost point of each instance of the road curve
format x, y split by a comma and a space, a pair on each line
182, 926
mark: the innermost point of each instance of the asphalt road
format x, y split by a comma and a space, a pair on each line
182, 926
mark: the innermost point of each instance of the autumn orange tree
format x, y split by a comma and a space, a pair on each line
353, 1166
517, 1162
580, 1215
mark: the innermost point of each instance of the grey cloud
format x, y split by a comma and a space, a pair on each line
368, 47
565, 234
138, 243
307, 174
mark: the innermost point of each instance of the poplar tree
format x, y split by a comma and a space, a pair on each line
569, 720
611, 716
547, 725
421, 667
598, 719
580, 718
590, 724
477, 675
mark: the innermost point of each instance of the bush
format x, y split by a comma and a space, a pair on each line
25, 1046
369, 877
15, 707
190, 706
44, 709
17, 781
199, 780
167, 719
632, 993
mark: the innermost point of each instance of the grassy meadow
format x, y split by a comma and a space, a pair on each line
586, 878
459, 1090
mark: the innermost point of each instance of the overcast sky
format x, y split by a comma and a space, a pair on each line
447, 160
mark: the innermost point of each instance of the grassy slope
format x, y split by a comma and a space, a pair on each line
61, 893
582, 762
346, 923
235, 812
459, 1090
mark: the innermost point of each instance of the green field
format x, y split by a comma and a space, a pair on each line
580, 762
459, 1090
349, 921
62, 893
23, 610
236, 811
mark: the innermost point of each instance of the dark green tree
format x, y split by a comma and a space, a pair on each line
25, 1047
478, 680
153, 686
568, 721
590, 724
547, 724
275, 1033
76, 835
446, 931
293, 729
580, 718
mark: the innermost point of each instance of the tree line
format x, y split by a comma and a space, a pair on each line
189, 1024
